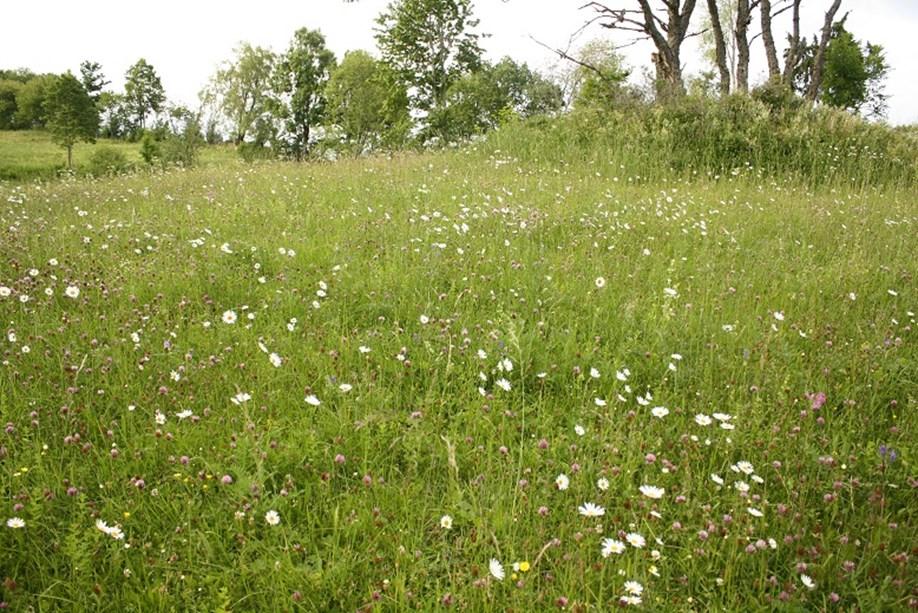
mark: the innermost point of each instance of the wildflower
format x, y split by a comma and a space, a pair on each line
496, 569
600, 282
745, 467
807, 581
579, 430
5, 291
229, 317
652, 491
72, 291
15, 523
594, 373
755, 512
345, 387
312, 400
635, 540
634, 588
779, 315
562, 482
602, 483
272, 518
588, 509
184, 414
424, 319
503, 384
702, 420
660, 412
631, 600
241, 397
446, 522
610, 546
275, 360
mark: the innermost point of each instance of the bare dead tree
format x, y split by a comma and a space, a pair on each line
720, 48
793, 48
819, 60
740, 30
667, 33
768, 39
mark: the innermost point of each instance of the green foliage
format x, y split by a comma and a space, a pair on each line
484, 99
149, 149
300, 80
143, 93
741, 134
30, 101
106, 160
240, 90
600, 82
854, 74
9, 90
431, 44
92, 78
367, 104
71, 114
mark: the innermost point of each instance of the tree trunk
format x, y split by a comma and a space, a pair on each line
771, 53
793, 49
720, 48
743, 17
820, 59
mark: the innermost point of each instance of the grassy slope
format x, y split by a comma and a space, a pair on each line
30, 154
417, 439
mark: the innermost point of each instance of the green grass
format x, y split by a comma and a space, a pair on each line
30, 154
496, 255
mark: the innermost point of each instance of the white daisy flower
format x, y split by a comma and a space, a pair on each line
496, 569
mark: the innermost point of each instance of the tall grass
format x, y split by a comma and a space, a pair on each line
739, 135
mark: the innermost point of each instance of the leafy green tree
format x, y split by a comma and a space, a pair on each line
300, 80
481, 100
143, 92
240, 89
93, 79
599, 80
115, 117
30, 101
9, 89
71, 114
22, 75
854, 74
367, 103
431, 44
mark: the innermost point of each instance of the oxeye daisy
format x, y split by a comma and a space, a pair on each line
588, 509
612, 546
272, 518
15, 523
652, 491
229, 317
635, 540
496, 569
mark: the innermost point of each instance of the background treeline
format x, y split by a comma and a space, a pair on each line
430, 85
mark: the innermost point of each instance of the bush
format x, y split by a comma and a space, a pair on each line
107, 161
149, 149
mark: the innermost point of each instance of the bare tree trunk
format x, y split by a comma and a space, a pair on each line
819, 61
720, 48
793, 49
743, 18
667, 36
771, 53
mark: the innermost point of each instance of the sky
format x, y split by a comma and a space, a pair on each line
186, 40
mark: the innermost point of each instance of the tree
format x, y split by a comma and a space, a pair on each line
854, 74
667, 32
431, 44
143, 92
93, 79
819, 56
719, 43
9, 89
300, 79
30, 101
114, 115
240, 89
598, 80
367, 103
484, 99
71, 114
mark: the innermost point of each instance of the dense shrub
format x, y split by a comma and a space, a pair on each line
107, 161
760, 134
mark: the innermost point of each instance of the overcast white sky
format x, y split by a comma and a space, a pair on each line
186, 40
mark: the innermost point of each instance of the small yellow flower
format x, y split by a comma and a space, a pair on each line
524, 566
127, 514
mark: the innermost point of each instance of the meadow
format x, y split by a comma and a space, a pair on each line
28, 155
471, 379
